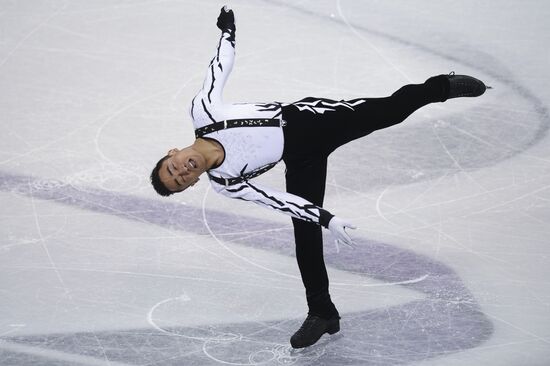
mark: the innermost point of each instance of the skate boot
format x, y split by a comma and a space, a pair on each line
464, 86
312, 329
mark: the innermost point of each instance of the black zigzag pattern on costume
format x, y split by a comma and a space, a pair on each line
231, 37
322, 105
307, 208
193, 107
237, 189
212, 84
281, 206
286, 209
268, 106
207, 112
218, 54
265, 194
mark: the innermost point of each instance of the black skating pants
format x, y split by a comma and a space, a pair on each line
315, 128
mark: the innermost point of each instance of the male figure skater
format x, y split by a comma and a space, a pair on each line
237, 142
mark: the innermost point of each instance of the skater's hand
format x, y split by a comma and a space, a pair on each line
226, 19
337, 227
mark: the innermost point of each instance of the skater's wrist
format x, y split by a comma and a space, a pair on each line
324, 217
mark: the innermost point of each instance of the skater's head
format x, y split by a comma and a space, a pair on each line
177, 171
181, 169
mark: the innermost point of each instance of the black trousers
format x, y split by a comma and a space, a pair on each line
315, 128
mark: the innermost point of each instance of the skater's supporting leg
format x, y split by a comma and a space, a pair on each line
306, 177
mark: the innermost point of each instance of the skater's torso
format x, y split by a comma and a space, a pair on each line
245, 148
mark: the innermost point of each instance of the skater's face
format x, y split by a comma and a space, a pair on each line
181, 169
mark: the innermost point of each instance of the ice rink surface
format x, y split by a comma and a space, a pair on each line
452, 263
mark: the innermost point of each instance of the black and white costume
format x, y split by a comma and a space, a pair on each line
246, 149
303, 134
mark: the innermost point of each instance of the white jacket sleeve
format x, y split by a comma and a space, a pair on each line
286, 203
219, 69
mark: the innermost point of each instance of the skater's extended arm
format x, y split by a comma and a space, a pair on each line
291, 205
284, 202
221, 65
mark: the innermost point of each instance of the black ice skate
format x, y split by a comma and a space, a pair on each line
464, 86
312, 329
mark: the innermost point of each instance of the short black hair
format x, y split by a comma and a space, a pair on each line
156, 182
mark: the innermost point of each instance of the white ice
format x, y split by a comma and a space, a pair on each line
453, 206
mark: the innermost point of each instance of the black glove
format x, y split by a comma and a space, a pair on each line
226, 20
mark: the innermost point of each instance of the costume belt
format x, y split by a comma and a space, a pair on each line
243, 177
232, 123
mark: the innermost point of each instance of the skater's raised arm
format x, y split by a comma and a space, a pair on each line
221, 65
